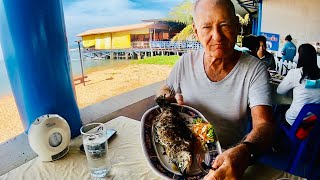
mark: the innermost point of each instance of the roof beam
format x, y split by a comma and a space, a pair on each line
249, 5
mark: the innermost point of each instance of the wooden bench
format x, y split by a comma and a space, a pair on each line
79, 78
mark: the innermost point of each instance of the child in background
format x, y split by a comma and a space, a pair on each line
263, 54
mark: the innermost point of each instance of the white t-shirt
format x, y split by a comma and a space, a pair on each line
224, 103
301, 95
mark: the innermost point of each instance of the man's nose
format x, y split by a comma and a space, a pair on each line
216, 34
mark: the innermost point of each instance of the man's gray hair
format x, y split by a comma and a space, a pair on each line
227, 3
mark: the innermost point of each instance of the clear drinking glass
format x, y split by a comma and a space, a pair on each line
95, 143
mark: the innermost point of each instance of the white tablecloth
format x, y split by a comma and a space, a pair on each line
127, 160
125, 153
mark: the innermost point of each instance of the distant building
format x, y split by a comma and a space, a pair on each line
130, 36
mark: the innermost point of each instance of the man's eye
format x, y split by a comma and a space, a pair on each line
225, 26
205, 27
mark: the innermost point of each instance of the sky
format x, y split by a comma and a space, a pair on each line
82, 15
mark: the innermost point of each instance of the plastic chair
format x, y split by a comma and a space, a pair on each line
304, 137
301, 142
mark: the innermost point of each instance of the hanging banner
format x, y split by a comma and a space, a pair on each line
272, 41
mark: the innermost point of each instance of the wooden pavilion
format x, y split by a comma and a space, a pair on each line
130, 36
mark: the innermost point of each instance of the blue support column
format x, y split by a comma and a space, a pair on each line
254, 25
35, 50
259, 17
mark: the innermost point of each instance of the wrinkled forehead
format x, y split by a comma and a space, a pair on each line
206, 6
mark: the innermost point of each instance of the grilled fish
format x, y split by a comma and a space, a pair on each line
173, 134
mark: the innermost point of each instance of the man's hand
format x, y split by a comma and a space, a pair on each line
230, 165
165, 90
179, 99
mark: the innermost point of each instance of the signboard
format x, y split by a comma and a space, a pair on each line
272, 41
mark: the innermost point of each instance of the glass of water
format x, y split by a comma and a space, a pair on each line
95, 143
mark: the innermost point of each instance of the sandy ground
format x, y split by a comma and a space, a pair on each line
100, 85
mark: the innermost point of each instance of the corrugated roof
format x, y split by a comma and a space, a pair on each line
116, 29
251, 6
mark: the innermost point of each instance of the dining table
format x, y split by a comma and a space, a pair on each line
126, 157
124, 152
280, 99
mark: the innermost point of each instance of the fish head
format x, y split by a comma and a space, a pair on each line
163, 102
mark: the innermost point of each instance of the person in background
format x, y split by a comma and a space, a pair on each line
296, 79
251, 45
289, 50
264, 55
225, 85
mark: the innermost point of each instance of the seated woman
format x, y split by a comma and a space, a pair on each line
307, 69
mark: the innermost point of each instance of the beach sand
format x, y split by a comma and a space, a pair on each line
100, 85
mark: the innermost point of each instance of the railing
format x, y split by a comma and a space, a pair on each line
95, 54
167, 44
140, 44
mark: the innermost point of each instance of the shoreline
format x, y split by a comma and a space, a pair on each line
100, 85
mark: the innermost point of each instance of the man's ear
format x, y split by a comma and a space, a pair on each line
238, 26
237, 23
195, 30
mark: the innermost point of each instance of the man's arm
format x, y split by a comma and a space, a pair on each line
164, 90
232, 163
263, 124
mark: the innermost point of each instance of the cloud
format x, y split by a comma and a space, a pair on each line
82, 15
87, 14
1, 55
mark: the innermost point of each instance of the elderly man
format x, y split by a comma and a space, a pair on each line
224, 85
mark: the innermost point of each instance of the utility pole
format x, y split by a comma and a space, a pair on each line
79, 41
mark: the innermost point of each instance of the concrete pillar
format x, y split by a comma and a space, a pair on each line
259, 18
111, 55
35, 51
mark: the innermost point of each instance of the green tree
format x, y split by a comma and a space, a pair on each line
183, 14
185, 34
244, 21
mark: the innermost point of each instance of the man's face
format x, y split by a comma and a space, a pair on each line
262, 46
216, 29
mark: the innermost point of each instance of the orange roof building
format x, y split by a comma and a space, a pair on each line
121, 37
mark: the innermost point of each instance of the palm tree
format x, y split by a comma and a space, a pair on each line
185, 34
244, 21
183, 14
